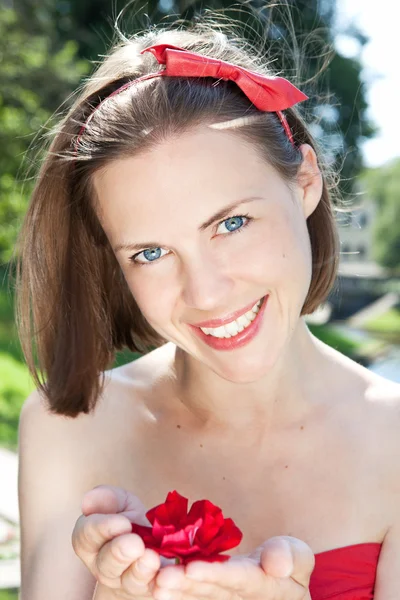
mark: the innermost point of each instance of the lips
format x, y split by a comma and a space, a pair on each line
237, 341
213, 323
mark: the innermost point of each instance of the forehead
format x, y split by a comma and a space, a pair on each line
199, 170
200, 154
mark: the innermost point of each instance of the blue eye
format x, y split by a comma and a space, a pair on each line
235, 224
150, 254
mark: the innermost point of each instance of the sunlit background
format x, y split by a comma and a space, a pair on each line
379, 21
45, 51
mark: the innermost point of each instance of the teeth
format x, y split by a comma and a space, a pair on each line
235, 327
245, 319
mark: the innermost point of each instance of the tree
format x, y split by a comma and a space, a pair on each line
34, 82
383, 185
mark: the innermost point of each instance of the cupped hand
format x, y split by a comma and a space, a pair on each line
280, 569
103, 540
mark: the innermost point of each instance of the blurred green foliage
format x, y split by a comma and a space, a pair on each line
15, 386
383, 185
34, 81
387, 324
9, 594
335, 339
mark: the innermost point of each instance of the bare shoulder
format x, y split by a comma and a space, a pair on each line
377, 407
378, 418
366, 417
118, 385
60, 459
366, 398
54, 474
383, 400
129, 383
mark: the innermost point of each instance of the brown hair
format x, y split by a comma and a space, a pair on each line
72, 298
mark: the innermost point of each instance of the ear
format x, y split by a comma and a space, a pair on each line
309, 180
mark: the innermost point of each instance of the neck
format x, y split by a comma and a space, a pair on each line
283, 395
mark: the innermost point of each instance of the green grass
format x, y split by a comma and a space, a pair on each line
9, 342
15, 385
9, 594
15, 381
387, 323
336, 340
124, 357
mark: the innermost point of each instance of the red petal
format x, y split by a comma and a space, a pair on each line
184, 539
146, 533
213, 521
177, 540
210, 529
172, 511
200, 508
201, 534
158, 512
229, 537
160, 530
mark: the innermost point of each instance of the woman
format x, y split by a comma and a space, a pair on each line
183, 139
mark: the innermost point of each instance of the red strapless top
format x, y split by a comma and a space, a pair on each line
345, 573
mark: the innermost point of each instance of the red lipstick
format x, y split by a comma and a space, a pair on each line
232, 317
242, 338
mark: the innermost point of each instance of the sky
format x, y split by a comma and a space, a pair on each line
379, 20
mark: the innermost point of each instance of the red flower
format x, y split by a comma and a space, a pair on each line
200, 534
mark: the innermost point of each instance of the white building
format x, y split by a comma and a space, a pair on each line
356, 239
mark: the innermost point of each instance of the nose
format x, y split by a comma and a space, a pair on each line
206, 284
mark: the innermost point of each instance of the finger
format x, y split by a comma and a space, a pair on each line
108, 499
241, 575
168, 583
172, 584
176, 586
141, 574
117, 556
286, 556
92, 532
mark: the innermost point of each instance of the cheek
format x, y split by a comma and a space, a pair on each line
154, 299
279, 252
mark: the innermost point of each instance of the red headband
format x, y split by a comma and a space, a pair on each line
270, 94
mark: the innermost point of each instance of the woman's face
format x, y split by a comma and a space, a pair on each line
185, 267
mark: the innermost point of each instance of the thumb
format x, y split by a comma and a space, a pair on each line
285, 556
109, 499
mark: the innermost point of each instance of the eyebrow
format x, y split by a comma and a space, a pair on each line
216, 217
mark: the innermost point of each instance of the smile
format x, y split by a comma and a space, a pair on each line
236, 333
234, 327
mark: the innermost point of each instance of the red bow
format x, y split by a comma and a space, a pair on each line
270, 94
266, 93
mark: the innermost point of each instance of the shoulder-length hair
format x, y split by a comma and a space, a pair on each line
73, 305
